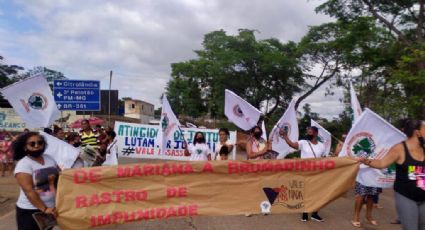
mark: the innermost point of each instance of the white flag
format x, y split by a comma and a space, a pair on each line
324, 136
372, 137
63, 153
355, 105
33, 101
168, 125
263, 128
240, 112
288, 122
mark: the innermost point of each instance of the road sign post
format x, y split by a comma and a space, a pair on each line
78, 95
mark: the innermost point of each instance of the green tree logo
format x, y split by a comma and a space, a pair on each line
165, 122
37, 101
364, 147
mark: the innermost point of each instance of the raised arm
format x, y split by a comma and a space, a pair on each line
285, 137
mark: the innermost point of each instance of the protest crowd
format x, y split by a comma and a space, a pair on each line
38, 158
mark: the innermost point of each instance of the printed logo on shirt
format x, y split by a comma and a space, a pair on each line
417, 173
45, 181
199, 151
362, 145
290, 194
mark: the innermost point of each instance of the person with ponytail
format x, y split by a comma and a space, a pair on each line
409, 186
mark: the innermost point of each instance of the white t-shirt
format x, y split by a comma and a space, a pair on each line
44, 178
319, 149
199, 152
218, 147
112, 154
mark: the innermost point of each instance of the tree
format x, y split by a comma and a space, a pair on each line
6, 72
401, 63
49, 74
264, 72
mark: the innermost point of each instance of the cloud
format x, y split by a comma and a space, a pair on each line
139, 40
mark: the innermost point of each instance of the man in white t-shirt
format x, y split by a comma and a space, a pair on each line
310, 148
199, 150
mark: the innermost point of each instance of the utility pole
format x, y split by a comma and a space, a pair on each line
109, 99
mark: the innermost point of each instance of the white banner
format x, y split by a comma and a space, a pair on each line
32, 99
288, 122
168, 124
63, 153
240, 112
324, 136
355, 105
372, 137
140, 141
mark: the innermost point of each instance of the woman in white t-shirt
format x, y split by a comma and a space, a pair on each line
310, 148
37, 175
223, 135
199, 150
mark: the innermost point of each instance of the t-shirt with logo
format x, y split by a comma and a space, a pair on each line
217, 156
199, 152
44, 178
307, 152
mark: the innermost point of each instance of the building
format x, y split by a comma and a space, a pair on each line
139, 109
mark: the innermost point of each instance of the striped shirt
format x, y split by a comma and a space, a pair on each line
89, 139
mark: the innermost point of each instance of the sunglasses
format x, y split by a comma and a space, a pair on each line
36, 143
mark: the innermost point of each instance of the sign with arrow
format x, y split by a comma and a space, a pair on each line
81, 95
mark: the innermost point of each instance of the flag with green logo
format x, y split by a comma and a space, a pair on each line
167, 125
372, 137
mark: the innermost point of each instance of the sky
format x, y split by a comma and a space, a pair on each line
139, 39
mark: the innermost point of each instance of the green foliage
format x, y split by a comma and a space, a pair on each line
258, 70
389, 52
6, 72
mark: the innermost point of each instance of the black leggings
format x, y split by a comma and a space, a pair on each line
24, 219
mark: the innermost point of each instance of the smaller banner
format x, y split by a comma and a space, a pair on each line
169, 124
32, 99
63, 153
240, 112
324, 136
99, 196
289, 123
355, 105
142, 141
372, 137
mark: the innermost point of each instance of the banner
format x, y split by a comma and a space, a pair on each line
63, 153
288, 122
98, 196
324, 136
141, 141
240, 112
169, 124
355, 105
372, 137
32, 99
